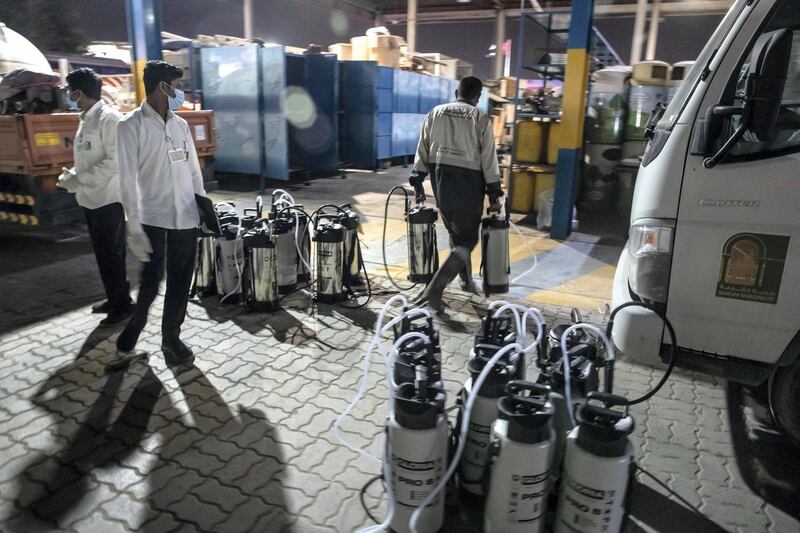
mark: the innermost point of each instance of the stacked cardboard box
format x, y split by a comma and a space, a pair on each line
343, 51
508, 87
385, 49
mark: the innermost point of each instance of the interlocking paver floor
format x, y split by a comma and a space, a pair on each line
243, 441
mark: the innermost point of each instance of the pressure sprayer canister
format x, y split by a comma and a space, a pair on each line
349, 221
416, 350
418, 440
495, 262
228, 251
521, 452
205, 280
493, 334
410, 356
304, 243
584, 378
229, 255
329, 239
260, 279
484, 413
597, 468
288, 259
423, 255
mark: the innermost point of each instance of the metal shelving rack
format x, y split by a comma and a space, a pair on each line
555, 25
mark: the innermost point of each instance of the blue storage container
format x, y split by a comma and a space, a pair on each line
414, 92
415, 127
384, 147
445, 94
366, 113
247, 88
384, 124
399, 134
231, 88
430, 93
385, 76
382, 110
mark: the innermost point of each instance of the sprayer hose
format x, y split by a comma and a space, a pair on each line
672, 349
383, 242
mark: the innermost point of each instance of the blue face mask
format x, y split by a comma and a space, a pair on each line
175, 102
72, 104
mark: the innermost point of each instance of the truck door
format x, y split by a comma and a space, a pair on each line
735, 279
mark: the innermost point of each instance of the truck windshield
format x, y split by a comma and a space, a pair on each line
686, 88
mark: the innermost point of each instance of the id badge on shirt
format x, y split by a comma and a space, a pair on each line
177, 155
83, 145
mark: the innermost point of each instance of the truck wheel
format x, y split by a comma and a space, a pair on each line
784, 400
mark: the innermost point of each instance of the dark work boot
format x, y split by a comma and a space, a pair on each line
126, 348
115, 316
467, 283
126, 341
176, 353
432, 295
103, 307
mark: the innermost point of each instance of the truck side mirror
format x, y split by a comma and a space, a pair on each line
769, 61
766, 77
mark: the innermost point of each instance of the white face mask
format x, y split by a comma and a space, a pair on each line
175, 102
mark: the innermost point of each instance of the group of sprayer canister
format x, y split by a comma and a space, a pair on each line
259, 258
423, 258
524, 459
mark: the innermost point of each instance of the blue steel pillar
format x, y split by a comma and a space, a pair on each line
576, 79
144, 32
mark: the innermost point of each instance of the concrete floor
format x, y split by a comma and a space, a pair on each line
243, 441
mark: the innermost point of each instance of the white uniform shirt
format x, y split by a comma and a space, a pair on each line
159, 170
458, 134
95, 154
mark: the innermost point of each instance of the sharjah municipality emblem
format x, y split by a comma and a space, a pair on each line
751, 267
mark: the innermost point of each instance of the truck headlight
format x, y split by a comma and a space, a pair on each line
650, 257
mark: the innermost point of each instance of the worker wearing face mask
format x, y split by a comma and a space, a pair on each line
456, 147
160, 176
95, 182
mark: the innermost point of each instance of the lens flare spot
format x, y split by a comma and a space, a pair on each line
339, 24
298, 107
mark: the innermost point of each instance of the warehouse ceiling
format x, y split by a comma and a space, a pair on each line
400, 6
481, 8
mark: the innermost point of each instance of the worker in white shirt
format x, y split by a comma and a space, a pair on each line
159, 177
95, 182
456, 147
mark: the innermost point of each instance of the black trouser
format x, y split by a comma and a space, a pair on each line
459, 196
107, 233
176, 249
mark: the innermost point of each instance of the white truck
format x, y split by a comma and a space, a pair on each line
714, 239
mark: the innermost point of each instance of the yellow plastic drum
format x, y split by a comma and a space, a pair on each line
553, 142
528, 147
523, 185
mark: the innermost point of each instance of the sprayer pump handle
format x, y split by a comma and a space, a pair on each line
607, 398
520, 385
528, 404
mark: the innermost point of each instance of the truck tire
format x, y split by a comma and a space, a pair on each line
784, 400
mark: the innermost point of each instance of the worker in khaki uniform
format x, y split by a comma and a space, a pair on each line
160, 176
456, 147
95, 182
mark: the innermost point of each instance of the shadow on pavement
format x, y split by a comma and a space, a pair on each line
769, 464
657, 512
208, 464
222, 471
52, 485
